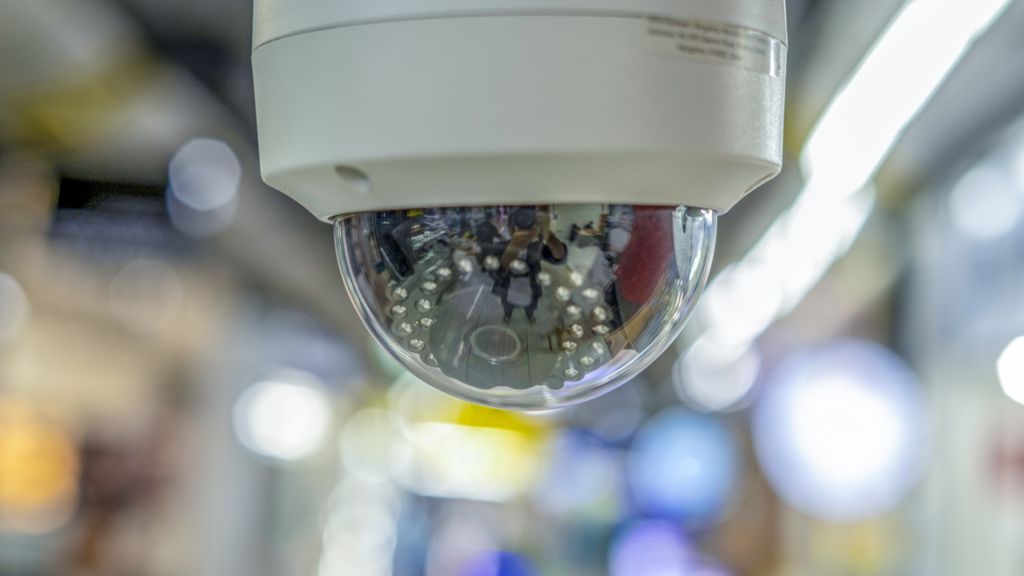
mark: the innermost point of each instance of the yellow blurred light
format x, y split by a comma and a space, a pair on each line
415, 401
38, 470
475, 416
453, 449
454, 461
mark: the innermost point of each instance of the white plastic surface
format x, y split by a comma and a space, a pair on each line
280, 18
512, 110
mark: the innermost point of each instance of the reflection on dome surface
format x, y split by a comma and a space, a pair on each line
526, 306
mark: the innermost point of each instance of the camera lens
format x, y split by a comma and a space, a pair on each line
526, 307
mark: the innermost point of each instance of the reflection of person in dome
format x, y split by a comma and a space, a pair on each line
488, 236
532, 241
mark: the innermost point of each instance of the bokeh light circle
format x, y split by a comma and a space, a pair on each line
1010, 367
204, 178
840, 431
716, 378
985, 205
685, 467
285, 417
652, 548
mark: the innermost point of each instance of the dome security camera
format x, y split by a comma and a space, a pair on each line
524, 192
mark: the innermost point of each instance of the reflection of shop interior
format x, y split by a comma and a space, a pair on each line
469, 325
523, 297
586, 247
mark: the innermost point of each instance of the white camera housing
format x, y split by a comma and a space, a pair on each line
370, 106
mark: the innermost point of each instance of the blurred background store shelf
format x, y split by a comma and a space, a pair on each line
185, 388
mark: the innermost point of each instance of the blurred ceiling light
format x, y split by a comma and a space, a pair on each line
684, 467
985, 204
840, 431
716, 378
781, 268
896, 79
651, 548
809, 238
865, 119
745, 298
285, 417
204, 177
1010, 368
145, 296
14, 308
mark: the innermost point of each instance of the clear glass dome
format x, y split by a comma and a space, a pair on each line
526, 307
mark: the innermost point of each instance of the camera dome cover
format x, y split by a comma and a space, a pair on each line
526, 307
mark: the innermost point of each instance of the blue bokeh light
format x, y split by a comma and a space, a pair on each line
499, 564
652, 548
684, 467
